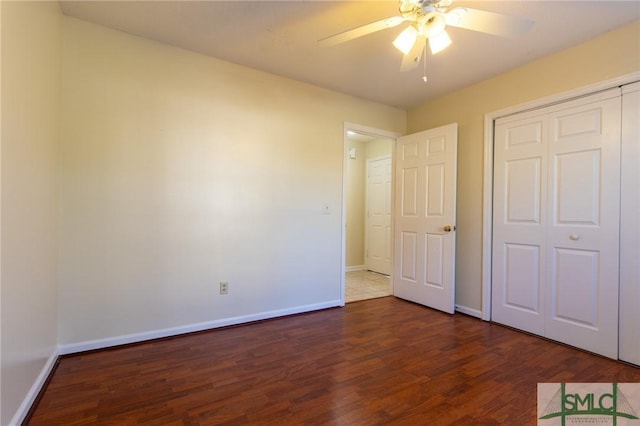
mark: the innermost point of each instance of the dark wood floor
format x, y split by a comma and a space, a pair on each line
374, 362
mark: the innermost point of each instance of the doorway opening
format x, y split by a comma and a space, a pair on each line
422, 219
367, 216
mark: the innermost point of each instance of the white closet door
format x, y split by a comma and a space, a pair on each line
520, 224
584, 225
630, 227
556, 222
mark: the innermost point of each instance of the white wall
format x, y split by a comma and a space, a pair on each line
179, 171
29, 242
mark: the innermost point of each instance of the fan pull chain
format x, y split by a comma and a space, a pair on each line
424, 64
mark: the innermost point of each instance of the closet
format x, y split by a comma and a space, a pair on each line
557, 221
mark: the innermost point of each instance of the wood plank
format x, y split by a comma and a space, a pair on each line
377, 361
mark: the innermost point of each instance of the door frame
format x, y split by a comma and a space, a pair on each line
487, 179
372, 131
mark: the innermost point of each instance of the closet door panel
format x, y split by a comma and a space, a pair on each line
583, 227
519, 223
630, 227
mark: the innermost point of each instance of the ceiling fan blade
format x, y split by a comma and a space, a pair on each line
488, 22
412, 59
363, 30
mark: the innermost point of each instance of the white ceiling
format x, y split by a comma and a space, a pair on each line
281, 37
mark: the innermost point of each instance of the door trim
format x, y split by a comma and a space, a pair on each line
343, 250
487, 179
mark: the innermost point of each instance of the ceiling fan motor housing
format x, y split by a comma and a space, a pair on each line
424, 5
426, 14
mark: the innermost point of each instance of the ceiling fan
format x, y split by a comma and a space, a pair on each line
428, 21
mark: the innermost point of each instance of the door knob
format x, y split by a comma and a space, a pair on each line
449, 228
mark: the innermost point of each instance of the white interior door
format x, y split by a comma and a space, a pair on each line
556, 222
378, 216
425, 211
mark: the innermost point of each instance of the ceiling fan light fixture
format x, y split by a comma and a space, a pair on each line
405, 41
433, 24
440, 42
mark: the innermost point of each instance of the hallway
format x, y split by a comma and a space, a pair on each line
362, 285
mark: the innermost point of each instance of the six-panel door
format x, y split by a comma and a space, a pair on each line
424, 235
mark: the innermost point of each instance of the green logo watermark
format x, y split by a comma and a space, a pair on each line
588, 403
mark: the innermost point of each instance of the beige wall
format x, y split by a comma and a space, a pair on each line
29, 243
179, 171
355, 179
610, 55
378, 148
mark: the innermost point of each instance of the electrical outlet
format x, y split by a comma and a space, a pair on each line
224, 287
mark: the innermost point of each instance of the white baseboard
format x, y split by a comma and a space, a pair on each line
167, 332
469, 311
354, 268
31, 396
